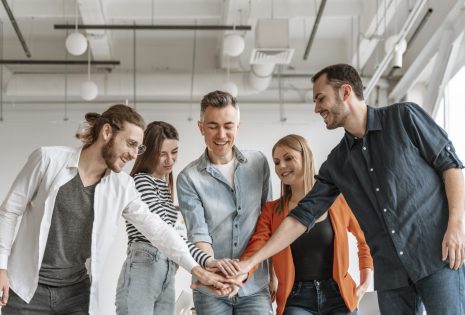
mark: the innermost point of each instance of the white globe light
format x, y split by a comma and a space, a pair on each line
89, 90
76, 44
233, 45
231, 88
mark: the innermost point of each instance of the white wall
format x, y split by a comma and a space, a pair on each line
27, 127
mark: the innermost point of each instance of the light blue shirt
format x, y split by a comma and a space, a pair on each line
225, 216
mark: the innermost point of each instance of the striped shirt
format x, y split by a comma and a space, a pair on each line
154, 192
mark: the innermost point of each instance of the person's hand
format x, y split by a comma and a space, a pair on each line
220, 292
244, 266
212, 281
234, 291
234, 288
229, 267
366, 276
4, 287
453, 244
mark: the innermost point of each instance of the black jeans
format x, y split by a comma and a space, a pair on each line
73, 299
316, 298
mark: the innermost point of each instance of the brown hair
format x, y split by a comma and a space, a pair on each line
297, 143
154, 135
218, 99
341, 74
116, 116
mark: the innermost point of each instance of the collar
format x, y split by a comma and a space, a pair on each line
373, 124
73, 161
205, 161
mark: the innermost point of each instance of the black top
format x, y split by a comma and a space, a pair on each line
313, 253
392, 180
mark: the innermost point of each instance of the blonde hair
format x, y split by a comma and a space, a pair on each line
296, 143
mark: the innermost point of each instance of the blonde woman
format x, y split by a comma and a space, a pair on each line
312, 273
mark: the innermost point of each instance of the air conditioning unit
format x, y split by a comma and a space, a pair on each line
272, 42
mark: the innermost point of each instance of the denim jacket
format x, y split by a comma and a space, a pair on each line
225, 216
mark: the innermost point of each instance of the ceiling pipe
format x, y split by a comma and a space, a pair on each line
420, 26
315, 28
456, 19
58, 62
415, 34
160, 85
16, 27
153, 27
387, 58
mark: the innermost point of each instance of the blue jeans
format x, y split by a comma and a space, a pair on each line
316, 298
72, 299
442, 293
258, 303
146, 282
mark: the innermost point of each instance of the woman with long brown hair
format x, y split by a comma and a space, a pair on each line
147, 278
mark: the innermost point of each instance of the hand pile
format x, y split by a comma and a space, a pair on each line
223, 276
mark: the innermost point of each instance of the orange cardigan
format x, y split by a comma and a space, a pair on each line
343, 220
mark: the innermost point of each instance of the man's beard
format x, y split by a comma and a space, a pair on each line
109, 155
338, 114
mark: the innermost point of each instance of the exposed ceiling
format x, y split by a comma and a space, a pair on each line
163, 66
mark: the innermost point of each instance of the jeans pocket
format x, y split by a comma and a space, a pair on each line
141, 257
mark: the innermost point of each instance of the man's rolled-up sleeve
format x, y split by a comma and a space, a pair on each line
192, 210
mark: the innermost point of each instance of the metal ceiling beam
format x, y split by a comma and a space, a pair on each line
420, 26
315, 28
402, 35
154, 27
16, 28
58, 62
373, 34
456, 19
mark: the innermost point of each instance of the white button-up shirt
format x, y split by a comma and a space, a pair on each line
33, 195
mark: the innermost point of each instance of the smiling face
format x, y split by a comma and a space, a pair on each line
329, 104
167, 158
122, 147
288, 165
219, 127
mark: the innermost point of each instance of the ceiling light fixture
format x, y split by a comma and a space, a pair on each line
233, 45
399, 49
89, 89
76, 43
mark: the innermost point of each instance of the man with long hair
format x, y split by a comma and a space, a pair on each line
70, 201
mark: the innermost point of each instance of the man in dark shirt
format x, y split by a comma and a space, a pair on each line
400, 175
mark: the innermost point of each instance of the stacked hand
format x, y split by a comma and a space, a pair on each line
229, 275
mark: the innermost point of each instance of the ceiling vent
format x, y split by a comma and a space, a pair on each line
269, 55
272, 42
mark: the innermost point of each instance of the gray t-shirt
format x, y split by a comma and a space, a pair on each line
69, 240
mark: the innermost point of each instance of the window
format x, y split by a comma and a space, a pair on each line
451, 113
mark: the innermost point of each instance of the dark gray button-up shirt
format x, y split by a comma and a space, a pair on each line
392, 180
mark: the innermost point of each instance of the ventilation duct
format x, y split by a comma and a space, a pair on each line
271, 48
